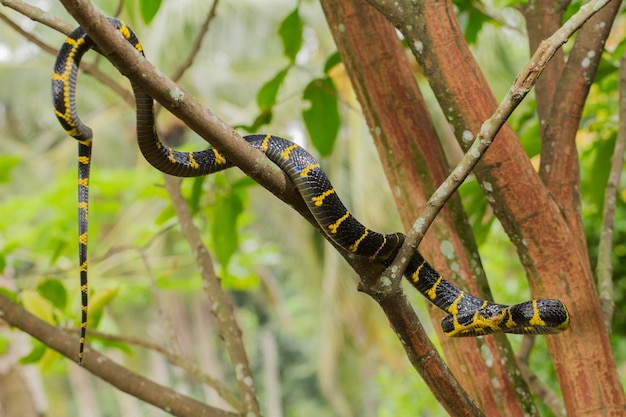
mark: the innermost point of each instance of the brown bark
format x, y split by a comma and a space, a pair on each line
415, 165
559, 167
547, 247
543, 18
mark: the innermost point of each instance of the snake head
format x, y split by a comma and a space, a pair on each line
530, 317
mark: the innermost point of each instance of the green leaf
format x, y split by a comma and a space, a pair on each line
601, 152
196, 193
266, 97
7, 163
49, 359
477, 210
149, 9
472, 19
35, 304
333, 60
166, 214
224, 231
35, 354
115, 344
322, 117
98, 302
262, 119
290, 32
5, 342
9, 294
53, 291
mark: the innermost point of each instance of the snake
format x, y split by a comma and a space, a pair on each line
467, 315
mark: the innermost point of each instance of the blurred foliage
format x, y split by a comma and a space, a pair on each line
272, 67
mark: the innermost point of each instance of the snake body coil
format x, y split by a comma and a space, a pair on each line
468, 315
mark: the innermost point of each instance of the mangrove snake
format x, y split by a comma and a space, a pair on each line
468, 315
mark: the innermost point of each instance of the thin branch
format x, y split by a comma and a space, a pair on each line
52, 22
221, 305
27, 35
541, 390
196, 44
165, 319
177, 360
113, 250
38, 15
525, 348
119, 8
522, 86
118, 376
195, 49
604, 268
499, 18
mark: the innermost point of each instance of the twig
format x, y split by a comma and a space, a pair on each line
604, 268
28, 36
522, 86
177, 360
118, 376
38, 15
221, 305
541, 390
195, 49
52, 22
119, 8
113, 250
165, 319
196, 44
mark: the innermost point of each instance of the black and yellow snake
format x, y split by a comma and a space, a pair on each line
468, 315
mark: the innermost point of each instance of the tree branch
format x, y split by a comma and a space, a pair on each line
37, 14
518, 91
543, 18
46, 19
559, 167
221, 305
604, 267
177, 360
118, 376
204, 28
541, 390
